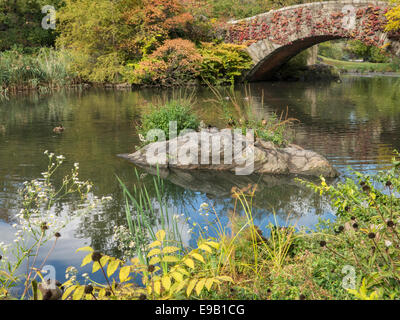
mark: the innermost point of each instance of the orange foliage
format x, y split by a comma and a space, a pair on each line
176, 62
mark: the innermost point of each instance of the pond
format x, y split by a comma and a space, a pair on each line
354, 123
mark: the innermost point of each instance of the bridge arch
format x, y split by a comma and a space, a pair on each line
274, 37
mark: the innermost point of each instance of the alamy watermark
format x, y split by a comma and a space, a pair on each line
202, 148
49, 21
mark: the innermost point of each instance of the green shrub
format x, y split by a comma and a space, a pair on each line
223, 63
365, 235
175, 110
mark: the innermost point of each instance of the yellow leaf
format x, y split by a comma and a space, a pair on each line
166, 282
112, 267
79, 292
157, 287
86, 260
167, 250
197, 256
96, 267
209, 283
189, 262
225, 278
124, 273
155, 244
170, 259
160, 235
104, 260
102, 293
205, 248
177, 276
85, 249
183, 271
154, 260
153, 252
68, 291
190, 287
213, 244
200, 286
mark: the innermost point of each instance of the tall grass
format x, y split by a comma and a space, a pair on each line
47, 68
145, 215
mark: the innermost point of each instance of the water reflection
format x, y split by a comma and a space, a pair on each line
352, 123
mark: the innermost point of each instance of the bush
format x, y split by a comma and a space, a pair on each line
223, 63
366, 234
176, 62
174, 110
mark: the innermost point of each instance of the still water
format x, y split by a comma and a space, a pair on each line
354, 124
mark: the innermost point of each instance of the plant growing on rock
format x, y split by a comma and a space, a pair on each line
160, 117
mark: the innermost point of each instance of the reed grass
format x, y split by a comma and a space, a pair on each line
46, 68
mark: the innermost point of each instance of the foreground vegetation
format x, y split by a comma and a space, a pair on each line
354, 257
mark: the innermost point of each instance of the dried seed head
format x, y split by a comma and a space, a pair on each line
390, 224
371, 235
388, 183
142, 297
322, 243
366, 188
347, 208
44, 226
355, 225
96, 256
353, 218
151, 268
57, 235
362, 183
88, 289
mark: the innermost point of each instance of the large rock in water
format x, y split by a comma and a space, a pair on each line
228, 150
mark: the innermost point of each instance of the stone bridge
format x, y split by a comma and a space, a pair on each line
274, 37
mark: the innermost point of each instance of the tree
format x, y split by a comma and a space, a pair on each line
20, 23
393, 17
